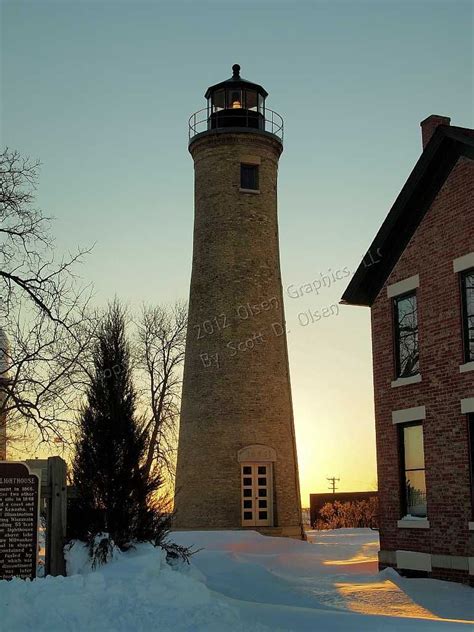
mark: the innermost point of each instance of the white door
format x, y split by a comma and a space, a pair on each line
257, 510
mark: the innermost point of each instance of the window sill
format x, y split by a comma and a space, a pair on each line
257, 191
411, 523
405, 381
470, 526
467, 366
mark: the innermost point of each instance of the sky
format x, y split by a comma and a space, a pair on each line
101, 93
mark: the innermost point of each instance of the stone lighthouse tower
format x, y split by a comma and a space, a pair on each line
237, 465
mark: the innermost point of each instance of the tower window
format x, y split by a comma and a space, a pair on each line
249, 177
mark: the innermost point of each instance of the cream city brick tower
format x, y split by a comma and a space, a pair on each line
237, 465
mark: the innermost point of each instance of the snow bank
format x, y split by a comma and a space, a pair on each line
138, 591
78, 559
329, 583
239, 581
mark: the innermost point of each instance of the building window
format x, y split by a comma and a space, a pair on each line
249, 177
406, 335
470, 431
467, 293
413, 470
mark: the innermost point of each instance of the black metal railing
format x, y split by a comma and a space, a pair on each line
203, 120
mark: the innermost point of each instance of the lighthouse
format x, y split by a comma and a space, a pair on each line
237, 464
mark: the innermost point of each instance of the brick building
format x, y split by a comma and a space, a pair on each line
418, 280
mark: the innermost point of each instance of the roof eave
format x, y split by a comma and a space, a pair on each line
423, 184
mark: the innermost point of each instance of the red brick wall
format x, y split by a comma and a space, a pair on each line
446, 232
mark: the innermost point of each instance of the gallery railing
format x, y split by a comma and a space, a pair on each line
203, 120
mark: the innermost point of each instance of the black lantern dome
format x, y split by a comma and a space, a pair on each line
236, 103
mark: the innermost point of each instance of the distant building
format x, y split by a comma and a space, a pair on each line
317, 501
418, 280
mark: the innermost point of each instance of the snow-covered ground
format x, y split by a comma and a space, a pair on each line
239, 581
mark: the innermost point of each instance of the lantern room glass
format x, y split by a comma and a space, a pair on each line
251, 101
217, 101
234, 99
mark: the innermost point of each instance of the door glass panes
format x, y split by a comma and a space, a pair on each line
414, 470
406, 335
467, 286
256, 499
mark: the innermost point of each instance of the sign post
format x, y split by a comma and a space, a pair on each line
19, 502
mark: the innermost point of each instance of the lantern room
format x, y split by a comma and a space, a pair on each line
236, 102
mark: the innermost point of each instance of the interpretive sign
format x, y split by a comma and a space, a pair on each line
19, 497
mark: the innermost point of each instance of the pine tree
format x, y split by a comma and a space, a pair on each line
115, 493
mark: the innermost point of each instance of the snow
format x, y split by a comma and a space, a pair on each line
78, 559
239, 580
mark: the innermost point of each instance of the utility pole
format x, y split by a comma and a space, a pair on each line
333, 480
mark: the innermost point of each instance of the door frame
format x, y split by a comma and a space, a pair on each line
255, 521
255, 455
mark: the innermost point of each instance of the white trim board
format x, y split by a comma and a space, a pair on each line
413, 561
417, 413
395, 289
409, 523
405, 381
464, 263
456, 562
467, 405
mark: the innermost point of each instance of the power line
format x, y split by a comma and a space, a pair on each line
333, 480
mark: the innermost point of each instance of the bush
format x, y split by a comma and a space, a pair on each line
353, 515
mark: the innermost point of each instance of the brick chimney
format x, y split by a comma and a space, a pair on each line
429, 125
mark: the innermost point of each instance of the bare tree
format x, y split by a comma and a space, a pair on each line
42, 311
161, 334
